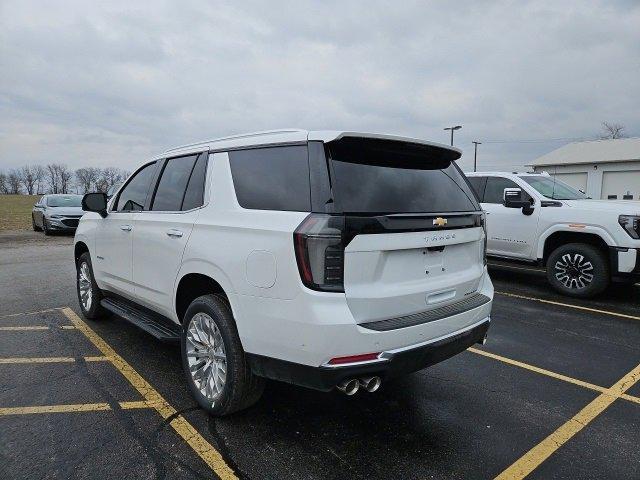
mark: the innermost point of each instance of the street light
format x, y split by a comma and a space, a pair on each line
475, 154
457, 127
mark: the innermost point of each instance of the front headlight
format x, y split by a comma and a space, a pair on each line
631, 224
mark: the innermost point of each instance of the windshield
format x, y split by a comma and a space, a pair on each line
64, 201
374, 176
554, 189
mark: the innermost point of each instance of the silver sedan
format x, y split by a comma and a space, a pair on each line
57, 213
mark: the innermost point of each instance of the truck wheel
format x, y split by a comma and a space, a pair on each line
213, 359
578, 270
89, 295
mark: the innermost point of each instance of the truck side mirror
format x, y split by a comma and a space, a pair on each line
95, 202
514, 198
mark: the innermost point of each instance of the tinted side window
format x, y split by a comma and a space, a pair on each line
173, 183
134, 194
478, 183
494, 191
194, 196
275, 178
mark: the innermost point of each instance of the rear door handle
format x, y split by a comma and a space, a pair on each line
174, 233
126, 228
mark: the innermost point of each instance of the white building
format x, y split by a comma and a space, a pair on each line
601, 168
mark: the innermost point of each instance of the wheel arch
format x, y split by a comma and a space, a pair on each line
193, 285
563, 237
78, 249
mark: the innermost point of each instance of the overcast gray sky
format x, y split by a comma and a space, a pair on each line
92, 83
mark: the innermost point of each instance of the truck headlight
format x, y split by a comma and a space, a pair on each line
631, 224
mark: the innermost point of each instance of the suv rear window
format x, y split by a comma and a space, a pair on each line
275, 178
383, 176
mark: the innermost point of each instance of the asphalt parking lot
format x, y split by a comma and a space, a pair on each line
555, 393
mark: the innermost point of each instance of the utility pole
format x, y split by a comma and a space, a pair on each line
457, 127
475, 154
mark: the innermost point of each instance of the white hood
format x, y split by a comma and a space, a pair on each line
621, 207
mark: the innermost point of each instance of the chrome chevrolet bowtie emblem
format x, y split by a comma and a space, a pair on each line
440, 222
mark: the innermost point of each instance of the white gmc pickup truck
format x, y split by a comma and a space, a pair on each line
584, 243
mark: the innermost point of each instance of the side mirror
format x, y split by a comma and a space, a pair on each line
95, 202
513, 198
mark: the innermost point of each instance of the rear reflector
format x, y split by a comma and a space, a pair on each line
365, 357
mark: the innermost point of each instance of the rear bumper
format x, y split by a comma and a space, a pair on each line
392, 363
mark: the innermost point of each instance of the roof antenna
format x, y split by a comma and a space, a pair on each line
555, 172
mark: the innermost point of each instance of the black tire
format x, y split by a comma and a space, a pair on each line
33, 222
95, 310
578, 270
241, 388
45, 230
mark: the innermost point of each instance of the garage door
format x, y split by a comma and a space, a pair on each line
621, 183
576, 180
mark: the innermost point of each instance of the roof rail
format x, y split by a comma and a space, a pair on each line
242, 135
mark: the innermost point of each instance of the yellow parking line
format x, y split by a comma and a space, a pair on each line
631, 398
35, 327
49, 359
549, 373
82, 407
37, 360
577, 307
190, 435
19, 329
135, 405
97, 359
31, 313
538, 454
539, 370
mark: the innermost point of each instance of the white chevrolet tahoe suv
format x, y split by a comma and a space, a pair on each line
323, 259
583, 243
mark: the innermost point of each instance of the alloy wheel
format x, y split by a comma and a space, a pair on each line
574, 271
206, 356
84, 286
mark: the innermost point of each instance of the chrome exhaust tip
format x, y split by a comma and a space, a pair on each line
370, 384
349, 387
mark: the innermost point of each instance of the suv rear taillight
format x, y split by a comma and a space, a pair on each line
483, 220
319, 247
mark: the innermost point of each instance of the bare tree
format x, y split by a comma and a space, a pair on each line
86, 178
4, 187
13, 181
109, 177
612, 131
28, 179
39, 173
59, 178
53, 178
66, 178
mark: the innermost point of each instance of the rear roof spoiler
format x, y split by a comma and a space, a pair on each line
328, 136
